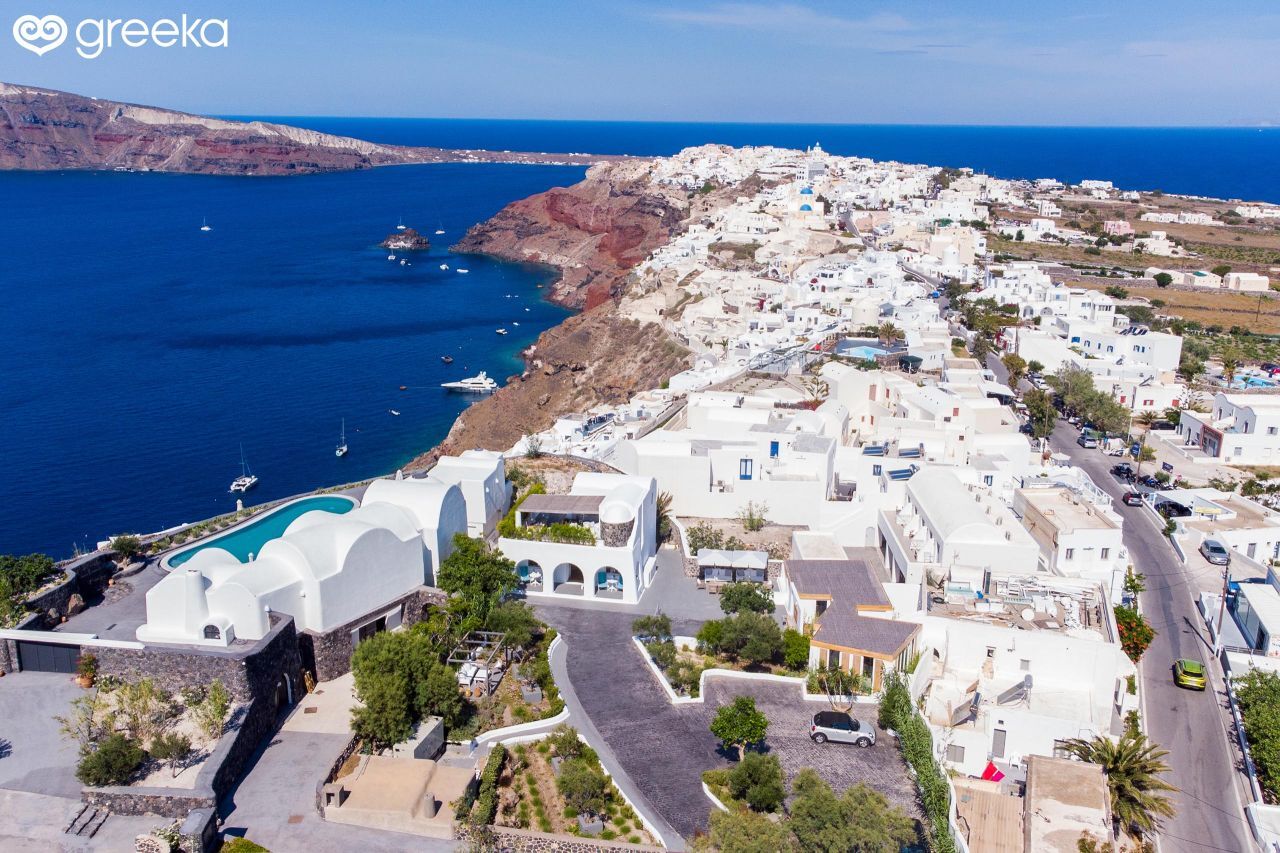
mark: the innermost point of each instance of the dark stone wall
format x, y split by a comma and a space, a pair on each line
616, 535
328, 655
85, 576
249, 672
504, 839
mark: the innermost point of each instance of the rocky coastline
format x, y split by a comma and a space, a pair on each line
593, 234
408, 240
44, 129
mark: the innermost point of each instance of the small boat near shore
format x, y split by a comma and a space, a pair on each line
463, 272
444, 266
447, 359
501, 331
341, 449
400, 226
393, 412
481, 383
247, 479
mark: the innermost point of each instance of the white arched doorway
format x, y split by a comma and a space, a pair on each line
567, 580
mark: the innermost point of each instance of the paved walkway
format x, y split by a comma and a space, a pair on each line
661, 749
274, 805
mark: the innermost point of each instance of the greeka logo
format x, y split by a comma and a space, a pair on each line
93, 36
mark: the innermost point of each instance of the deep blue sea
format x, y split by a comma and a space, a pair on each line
140, 353
1221, 162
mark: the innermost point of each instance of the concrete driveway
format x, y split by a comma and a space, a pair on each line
663, 749
34, 756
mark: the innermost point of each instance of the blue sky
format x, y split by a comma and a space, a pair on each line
911, 61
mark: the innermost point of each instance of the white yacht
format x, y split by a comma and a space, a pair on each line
501, 331
403, 262
444, 266
481, 383
391, 257
464, 272
341, 449
205, 226
247, 479
401, 226
393, 412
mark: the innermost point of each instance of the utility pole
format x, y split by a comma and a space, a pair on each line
1222, 607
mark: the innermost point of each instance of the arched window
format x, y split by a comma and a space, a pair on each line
211, 632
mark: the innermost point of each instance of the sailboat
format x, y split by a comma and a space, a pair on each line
247, 479
204, 224
439, 228
401, 226
341, 449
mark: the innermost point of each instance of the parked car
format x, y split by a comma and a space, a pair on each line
1190, 674
1132, 499
1150, 482
839, 726
1124, 469
1173, 509
1087, 441
1213, 551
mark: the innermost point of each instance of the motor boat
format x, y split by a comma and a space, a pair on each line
447, 359
463, 272
444, 266
391, 257
393, 412
481, 383
501, 331
401, 226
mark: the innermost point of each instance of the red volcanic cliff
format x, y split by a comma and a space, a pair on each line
595, 231
42, 129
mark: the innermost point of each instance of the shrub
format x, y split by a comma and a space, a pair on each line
486, 806
242, 845
656, 627
795, 649
663, 654
87, 667
739, 597
757, 780
1135, 632
112, 763
172, 748
565, 742
211, 714
710, 635
582, 786
916, 743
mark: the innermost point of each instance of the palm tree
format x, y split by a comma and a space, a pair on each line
888, 333
1146, 418
1229, 366
1133, 766
664, 515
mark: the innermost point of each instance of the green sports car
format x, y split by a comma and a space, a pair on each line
1190, 673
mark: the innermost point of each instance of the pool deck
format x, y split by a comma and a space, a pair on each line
187, 550
121, 609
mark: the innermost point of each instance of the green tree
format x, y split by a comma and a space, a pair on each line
211, 713
112, 763
1221, 269
385, 715
737, 597
655, 627
517, 621
744, 831
861, 820
1258, 692
836, 683
1034, 366
1135, 632
795, 649
739, 725
980, 347
1040, 413
1133, 767
1163, 279
582, 786
750, 636
887, 333
710, 636
1017, 367
127, 546
476, 577
757, 780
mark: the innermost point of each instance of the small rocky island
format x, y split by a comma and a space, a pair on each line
406, 241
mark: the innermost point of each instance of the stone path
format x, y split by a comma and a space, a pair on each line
662, 749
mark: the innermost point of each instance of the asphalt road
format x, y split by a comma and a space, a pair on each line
1191, 725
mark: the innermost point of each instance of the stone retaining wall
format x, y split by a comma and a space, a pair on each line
84, 576
772, 569
503, 839
347, 752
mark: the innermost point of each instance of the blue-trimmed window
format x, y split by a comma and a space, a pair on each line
744, 469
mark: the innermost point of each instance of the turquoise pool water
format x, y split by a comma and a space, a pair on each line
249, 538
863, 352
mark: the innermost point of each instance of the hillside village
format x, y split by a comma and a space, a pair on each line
929, 455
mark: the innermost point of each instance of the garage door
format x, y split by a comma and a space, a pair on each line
47, 657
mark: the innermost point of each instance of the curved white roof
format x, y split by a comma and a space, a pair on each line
423, 499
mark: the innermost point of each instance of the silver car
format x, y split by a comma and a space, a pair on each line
1214, 552
839, 726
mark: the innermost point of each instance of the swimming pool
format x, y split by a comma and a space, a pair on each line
864, 352
248, 538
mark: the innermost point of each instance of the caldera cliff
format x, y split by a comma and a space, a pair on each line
594, 233
44, 129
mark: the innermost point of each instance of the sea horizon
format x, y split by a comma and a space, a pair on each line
1219, 162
